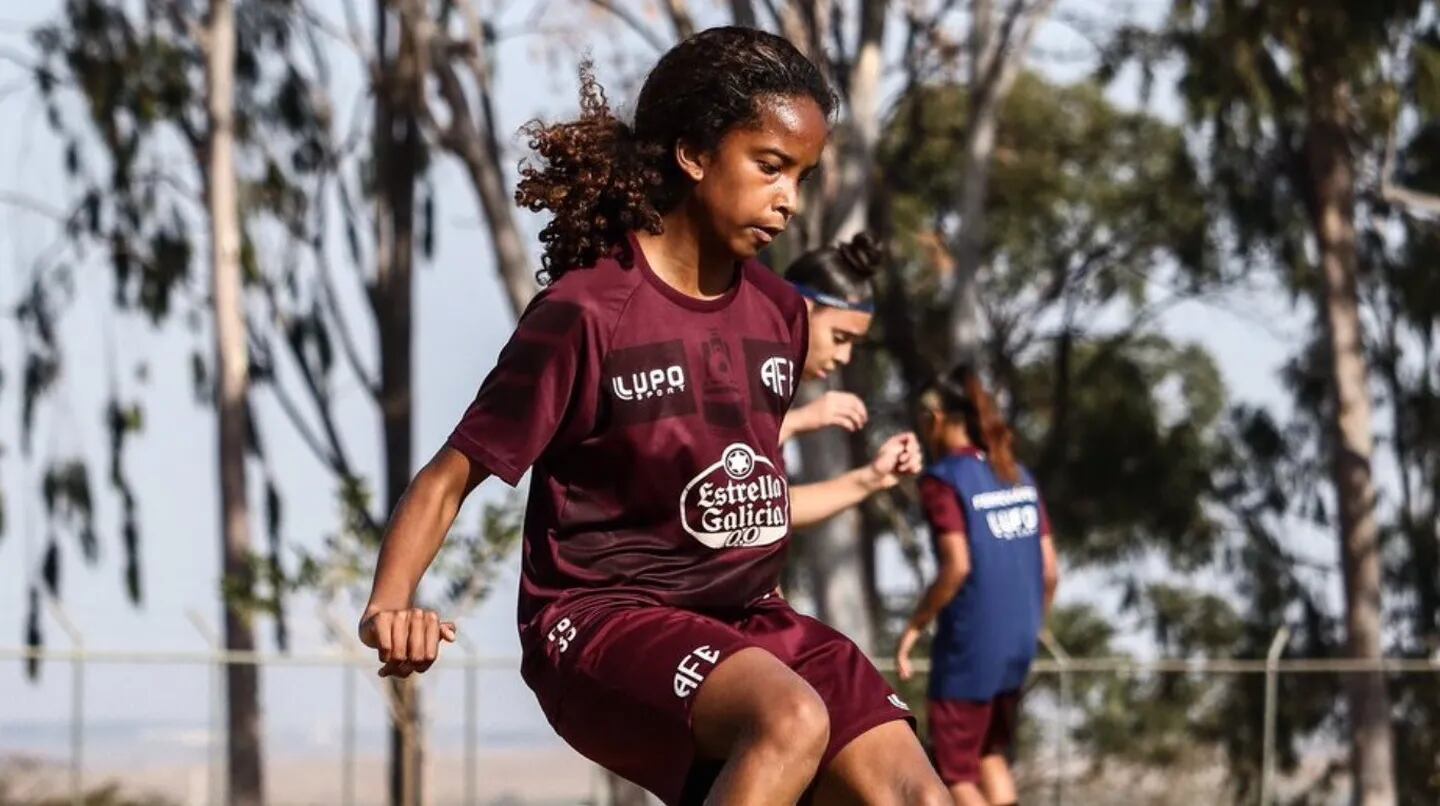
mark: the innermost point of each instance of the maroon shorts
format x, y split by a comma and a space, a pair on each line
618, 682
964, 731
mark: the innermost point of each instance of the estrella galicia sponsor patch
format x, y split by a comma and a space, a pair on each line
740, 501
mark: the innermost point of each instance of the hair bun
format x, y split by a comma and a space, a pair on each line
862, 254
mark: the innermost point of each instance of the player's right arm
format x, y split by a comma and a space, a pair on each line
405, 637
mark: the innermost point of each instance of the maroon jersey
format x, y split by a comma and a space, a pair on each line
652, 422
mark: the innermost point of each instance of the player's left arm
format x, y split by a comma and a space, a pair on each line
834, 408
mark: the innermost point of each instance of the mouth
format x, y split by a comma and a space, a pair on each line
765, 235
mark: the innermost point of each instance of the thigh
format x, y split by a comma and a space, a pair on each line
1000, 732
958, 729
620, 686
857, 697
884, 765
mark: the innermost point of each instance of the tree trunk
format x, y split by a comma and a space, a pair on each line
471, 135
833, 553
835, 556
996, 53
511, 260
1332, 192
246, 784
399, 158
742, 13
861, 129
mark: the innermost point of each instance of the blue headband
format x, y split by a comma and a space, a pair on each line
832, 301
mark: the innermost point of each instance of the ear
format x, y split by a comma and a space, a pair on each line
692, 161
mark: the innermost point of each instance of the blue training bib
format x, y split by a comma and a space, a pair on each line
985, 637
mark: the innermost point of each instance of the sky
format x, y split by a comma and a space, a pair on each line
463, 324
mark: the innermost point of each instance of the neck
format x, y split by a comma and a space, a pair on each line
686, 258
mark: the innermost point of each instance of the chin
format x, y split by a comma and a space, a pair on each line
745, 248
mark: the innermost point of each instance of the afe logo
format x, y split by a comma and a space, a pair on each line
688, 675
644, 385
778, 375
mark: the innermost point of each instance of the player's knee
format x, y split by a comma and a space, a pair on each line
797, 719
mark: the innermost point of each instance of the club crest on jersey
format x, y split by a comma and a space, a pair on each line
740, 501
777, 374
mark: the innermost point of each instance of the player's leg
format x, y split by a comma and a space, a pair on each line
768, 725
958, 729
873, 755
883, 766
996, 781
659, 695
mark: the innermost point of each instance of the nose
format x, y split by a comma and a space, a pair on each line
789, 200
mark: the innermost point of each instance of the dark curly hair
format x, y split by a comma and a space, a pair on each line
601, 178
845, 270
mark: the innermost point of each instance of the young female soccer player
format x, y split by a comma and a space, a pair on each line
838, 287
645, 387
994, 583
836, 282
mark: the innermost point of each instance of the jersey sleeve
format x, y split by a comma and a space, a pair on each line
534, 389
942, 508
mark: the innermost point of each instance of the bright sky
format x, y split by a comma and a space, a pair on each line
462, 324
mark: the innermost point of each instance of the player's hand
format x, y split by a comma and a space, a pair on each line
899, 456
902, 652
835, 408
405, 640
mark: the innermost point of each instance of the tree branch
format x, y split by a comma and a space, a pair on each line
331, 300
30, 204
290, 408
351, 37
626, 16
324, 406
680, 19
1415, 202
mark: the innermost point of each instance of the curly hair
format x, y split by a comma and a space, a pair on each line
601, 178
846, 270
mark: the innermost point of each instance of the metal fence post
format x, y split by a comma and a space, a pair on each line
349, 655
1062, 736
77, 701
215, 685
1267, 760
472, 719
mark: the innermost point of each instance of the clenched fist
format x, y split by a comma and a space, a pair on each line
405, 640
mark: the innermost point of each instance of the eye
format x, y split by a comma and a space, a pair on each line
769, 169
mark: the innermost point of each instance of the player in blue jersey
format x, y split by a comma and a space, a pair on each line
996, 576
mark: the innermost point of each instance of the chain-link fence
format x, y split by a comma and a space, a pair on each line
1095, 730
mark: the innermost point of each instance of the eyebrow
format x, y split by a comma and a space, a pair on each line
781, 155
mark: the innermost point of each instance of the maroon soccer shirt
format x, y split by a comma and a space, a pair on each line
652, 422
